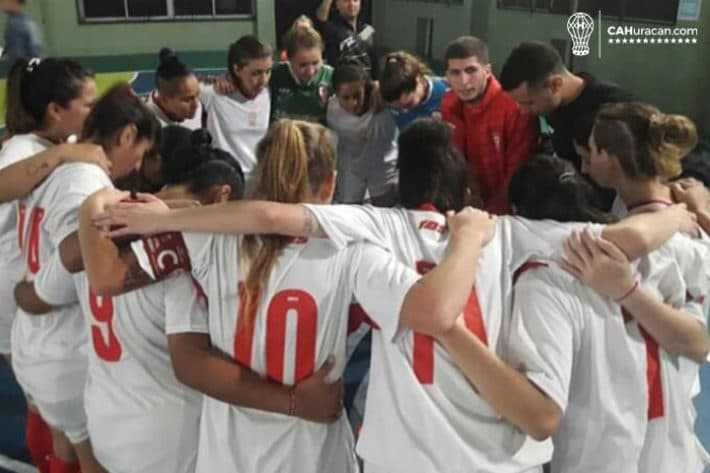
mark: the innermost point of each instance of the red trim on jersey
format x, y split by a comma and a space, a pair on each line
357, 316
428, 207
653, 370
201, 294
691, 298
244, 337
528, 265
473, 316
167, 253
299, 240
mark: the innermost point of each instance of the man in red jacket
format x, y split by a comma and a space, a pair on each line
490, 129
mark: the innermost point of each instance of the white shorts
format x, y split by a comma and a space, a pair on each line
161, 439
65, 416
50, 362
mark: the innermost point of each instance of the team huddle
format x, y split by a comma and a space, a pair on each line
179, 295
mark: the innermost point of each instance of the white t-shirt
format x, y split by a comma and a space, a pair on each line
237, 124
367, 144
134, 403
682, 276
573, 345
417, 400
194, 123
300, 322
15, 149
49, 352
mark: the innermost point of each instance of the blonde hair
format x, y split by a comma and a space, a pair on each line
294, 159
304, 37
647, 142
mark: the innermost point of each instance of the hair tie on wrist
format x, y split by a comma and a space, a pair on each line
628, 293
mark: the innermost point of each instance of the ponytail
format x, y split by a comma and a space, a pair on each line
34, 84
646, 142
170, 73
294, 159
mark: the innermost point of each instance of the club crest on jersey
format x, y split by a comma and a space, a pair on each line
252, 116
497, 142
324, 94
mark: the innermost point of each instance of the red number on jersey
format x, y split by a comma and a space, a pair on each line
653, 371
423, 356
21, 212
33, 240
102, 311
303, 307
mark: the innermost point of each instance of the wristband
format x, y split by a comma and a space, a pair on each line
628, 293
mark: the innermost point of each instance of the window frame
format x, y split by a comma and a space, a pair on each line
171, 17
618, 18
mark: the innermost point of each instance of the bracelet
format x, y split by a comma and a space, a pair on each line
628, 293
292, 401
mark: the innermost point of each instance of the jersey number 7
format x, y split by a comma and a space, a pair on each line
423, 356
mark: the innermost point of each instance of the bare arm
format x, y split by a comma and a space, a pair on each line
21, 177
198, 365
110, 271
674, 330
432, 305
28, 300
507, 390
640, 234
323, 10
601, 265
241, 217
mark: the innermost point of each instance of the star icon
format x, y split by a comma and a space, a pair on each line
645, 41
618, 40
695, 41
625, 41
672, 40
653, 40
687, 40
611, 40
666, 41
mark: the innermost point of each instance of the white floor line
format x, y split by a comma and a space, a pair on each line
16, 466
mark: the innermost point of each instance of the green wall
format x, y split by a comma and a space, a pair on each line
673, 77
65, 36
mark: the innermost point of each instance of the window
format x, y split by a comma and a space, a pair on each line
101, 11
653, 11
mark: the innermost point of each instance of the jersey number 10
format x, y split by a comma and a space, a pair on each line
305, 309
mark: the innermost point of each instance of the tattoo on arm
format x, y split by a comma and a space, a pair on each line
135, 276
35, 169
309, 222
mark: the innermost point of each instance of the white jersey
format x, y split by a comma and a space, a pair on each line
670, 445
133, 401
367, 150
237, 124
416, 392
49, 352
15, 149
301, 321
572, 344
194, 123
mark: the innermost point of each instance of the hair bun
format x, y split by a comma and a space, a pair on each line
200, 137
167, 55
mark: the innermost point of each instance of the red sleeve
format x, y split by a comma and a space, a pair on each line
521, 135
452, 113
